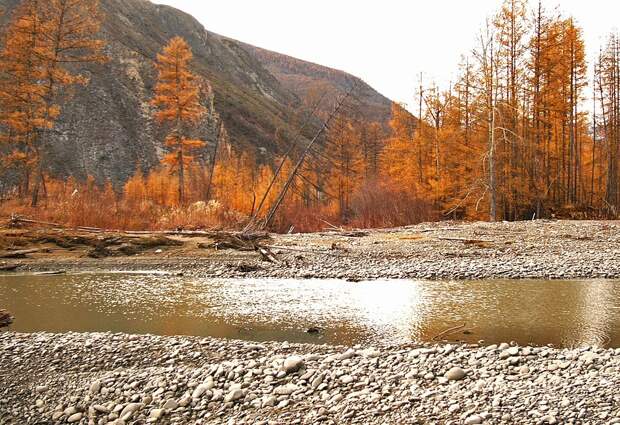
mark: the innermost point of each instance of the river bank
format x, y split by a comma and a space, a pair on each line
524, 250
105, 378
118, 378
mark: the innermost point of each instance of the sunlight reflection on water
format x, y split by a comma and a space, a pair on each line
538, 312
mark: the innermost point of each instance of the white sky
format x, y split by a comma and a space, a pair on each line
385, 43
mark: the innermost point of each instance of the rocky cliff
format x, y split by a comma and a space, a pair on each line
106, 127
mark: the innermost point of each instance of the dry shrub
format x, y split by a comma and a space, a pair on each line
87, 204
303, 219
377, 206
149, 203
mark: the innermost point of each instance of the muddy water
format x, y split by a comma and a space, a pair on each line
563, 313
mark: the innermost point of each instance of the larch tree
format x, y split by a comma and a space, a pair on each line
345, 165
487, 81
68, 37
608, 78
371, 138
177, 98
44, 39
511, 28
21, 94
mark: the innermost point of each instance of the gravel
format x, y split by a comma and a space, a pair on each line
541, 249
104, 378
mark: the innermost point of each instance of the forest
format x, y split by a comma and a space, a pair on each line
528, 130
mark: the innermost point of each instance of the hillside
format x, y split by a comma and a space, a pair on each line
301, 77
106, 128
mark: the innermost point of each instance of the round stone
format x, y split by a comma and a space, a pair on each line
293, 364
234, 395
455, 374
473, 420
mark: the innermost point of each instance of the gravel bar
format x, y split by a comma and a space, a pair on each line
541, 249
104, 378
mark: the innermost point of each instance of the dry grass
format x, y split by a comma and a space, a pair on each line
150, 204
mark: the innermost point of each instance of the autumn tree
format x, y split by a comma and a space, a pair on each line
608, 87
68, 38
177, 98
404, 160
511, 30
21, 94
372, 143
44, 42
345, 164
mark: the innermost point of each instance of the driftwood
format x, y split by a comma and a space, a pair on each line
5, 318
51, 273
237, 241
480, 243
244, 241
18, 254
355, 234
465, 240
8, 267
241, 241
449, 331
18, 221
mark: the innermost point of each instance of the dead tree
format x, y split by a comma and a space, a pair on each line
281, 166
302, 158
283, 192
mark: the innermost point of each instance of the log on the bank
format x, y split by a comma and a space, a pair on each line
8, 267
480, 243
18, 254
242, 242
236, 241
50, 273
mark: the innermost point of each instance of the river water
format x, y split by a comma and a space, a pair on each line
563, 313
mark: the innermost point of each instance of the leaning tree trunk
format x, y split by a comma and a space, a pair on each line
181, 176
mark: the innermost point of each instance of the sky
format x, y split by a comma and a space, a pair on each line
387, 43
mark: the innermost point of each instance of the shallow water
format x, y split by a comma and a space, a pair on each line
563, 313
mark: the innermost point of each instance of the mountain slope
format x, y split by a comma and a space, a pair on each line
106, 128
301, 77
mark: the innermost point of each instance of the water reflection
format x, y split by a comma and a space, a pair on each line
597, 310
537, 312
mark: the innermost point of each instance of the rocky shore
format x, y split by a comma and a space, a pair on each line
127, 379
542, 249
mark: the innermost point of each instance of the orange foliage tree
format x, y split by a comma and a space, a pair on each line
21, 94
44, 41
177, 97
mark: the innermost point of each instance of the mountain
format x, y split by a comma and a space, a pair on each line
301, 77
106, 128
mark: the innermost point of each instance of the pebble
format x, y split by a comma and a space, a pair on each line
234, 395
156, 413
287, 389
455, 374
170, 404
473, 420
95, 387
199, 391
76, 417
293, 364
346, 379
